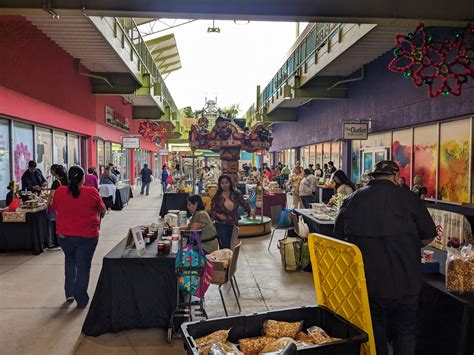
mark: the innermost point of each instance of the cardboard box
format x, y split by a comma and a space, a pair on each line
220, 273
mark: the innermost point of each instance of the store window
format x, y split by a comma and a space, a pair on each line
305, 156
119, 160
312, 155
74, 157
44, 149
108, 153
355, 162
401, 152
326, 153
22, 148
5, 176
319, 154
425, 156
100, 156
60, 148
336, 154
454, 153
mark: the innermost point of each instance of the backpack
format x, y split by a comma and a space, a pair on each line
290, 251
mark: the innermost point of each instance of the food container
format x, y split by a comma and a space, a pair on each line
249, 326
167, 247
160, 248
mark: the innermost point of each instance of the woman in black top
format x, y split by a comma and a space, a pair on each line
60, 179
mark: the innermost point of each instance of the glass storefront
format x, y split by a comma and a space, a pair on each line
44, 149
74, 157
120, 159
60, 148
22, 148
5, 173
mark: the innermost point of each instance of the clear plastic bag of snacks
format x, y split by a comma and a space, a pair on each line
225, 349
254, 345
455, 270
205, 343
318, 335
276, 346
468, 254
277, 329
304, 339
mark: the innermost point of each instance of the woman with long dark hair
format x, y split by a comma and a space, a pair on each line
224, 209
77, 222
343, 184
200, 220
60, 179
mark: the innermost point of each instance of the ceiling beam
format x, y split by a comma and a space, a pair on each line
361, 11
120, 84
147, 113
282, 115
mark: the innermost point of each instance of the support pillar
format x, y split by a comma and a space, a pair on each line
132, 166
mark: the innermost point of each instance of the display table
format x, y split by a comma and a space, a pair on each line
445, 321
132, 292
122, 196
272, 199
174, 201
316, 225
249, 227
30, 235
324, 193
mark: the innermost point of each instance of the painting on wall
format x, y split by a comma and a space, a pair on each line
401, 152
355, 157
425, 156
454, 155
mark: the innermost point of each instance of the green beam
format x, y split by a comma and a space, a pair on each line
282, 115
147, 113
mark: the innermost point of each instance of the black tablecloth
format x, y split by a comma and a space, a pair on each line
324, 192
445, 320
30, 235
132, 292
173, 201
316, 226
122, 196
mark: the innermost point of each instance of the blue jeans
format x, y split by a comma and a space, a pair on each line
224, 234
79, 252
164, 186
147, 185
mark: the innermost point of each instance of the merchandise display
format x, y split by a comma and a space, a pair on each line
460, 270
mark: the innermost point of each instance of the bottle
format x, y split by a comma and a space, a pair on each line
174, 244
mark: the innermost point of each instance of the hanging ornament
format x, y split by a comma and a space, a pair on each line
156, 132
442, 66
203, 123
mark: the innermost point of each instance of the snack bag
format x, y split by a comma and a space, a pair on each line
277, 329
304, 339
224, 349
454, 271
468, 254
205, 343
277, 345
254, 345
318, 335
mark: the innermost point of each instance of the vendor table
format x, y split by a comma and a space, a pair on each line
324, 194
30, 235
132, 292
174, 201
466, 212
445, 320
122, 196
272, 199
316, 225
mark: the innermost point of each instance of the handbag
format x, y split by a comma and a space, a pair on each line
303, 229
188, 263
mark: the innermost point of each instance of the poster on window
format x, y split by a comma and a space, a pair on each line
73, 150
22, 148
425, 157
60, 149
44, 149
401, 153
4, 158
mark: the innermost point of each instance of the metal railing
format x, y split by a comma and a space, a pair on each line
307, 45
129, 32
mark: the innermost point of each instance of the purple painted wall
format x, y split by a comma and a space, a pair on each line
391, 100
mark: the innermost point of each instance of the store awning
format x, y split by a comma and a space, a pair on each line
165, 53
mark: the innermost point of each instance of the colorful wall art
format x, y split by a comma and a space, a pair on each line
425, 156
401, 152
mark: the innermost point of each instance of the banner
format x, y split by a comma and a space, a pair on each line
451, 227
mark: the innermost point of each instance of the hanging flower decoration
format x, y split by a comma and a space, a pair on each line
203, 123
156, 132
442, 66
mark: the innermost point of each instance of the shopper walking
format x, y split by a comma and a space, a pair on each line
60, 179
307, 188
164, 177
108, 188
91, 178
146, 174
225, 209
389, 225
294, 184
77, 222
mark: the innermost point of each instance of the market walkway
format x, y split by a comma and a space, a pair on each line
34, 319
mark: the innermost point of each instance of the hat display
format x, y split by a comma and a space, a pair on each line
385, 167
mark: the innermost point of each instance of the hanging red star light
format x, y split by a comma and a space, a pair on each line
442, 66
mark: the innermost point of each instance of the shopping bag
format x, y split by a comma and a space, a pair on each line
169, 179
190, 280
290, 251
303, 229
285, 220
305, 259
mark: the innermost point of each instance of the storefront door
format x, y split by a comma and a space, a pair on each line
370, 157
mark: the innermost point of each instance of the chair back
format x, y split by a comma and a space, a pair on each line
234, 239
233, 262
276, 212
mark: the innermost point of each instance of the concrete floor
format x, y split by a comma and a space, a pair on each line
34, 319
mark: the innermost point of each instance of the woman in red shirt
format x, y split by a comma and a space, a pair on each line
77, 224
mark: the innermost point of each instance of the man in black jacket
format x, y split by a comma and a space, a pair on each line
389, 225
146, 174
33, 179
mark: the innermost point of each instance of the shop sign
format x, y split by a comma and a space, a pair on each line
164, 152
131, 142
115, 119
355, 131
450, 227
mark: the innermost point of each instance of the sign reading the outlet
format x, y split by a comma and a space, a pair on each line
131, 142
355, 131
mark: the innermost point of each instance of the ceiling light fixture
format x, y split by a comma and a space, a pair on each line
213, 29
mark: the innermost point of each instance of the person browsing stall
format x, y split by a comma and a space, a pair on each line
146, 175
389, 225
343, 184
60, 179
294, 183
307, 188
225, 209
200, 220
33, 179
77, 224
419, 187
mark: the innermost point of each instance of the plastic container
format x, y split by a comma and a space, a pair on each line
174, 244
182, 218
251, 326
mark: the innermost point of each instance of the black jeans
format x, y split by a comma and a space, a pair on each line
394, 321
224, 234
